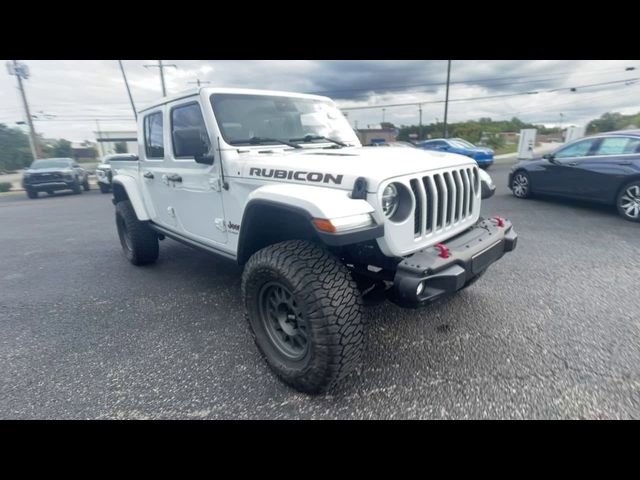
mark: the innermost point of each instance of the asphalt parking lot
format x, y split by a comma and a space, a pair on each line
552, 330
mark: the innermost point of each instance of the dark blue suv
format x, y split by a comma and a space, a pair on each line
603, 168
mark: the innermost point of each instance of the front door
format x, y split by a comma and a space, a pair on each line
195, 192
563, 175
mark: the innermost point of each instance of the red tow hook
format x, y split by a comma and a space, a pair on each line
500, 221
444, 251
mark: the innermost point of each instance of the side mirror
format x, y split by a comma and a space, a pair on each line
190, 142
550, 157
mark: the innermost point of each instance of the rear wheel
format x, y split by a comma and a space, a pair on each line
521, 184
303, 308
628, 201
139, 242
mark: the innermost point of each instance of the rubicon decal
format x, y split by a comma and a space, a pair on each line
300, 176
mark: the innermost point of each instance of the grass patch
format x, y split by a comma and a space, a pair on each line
506, 149
5, 186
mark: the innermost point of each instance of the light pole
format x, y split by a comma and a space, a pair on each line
21, 71
446, 101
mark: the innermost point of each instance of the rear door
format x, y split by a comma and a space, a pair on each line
154, 167
603, 172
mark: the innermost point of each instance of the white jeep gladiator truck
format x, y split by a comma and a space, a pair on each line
279, 183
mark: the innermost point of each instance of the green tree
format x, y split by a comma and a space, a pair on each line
15, 152
62, 148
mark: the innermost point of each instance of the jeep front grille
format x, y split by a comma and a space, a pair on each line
444, 200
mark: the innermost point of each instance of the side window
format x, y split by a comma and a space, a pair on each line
580, 149
187, 117
618, 146
153, 135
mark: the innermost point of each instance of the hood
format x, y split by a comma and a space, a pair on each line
340, 168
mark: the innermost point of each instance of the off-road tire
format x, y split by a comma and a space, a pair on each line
32, 194
328, 302
627, 195
86, 185
139, 242
77, 187
104, 188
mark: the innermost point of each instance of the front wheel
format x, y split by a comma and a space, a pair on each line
32, 193
304, 311
139, 242
104, 188
521, 184
77, 187
86, 185
628, 201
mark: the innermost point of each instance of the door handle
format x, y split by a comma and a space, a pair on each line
174, 177
147, 175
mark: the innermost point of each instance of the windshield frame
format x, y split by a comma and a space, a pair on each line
352, 141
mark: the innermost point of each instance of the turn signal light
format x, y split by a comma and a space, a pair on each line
324, 225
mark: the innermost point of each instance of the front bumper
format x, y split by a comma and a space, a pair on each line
49, 186
470, 253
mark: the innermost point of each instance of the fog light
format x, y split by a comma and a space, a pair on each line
420, 289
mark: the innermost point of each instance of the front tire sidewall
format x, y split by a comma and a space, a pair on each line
139, 242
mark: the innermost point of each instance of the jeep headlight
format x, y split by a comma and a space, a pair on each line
390, 200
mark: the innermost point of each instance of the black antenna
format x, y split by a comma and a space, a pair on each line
225, 185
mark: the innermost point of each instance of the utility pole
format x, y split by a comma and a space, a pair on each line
446, 101
199, 82
126, 84
383, 110
100, 138
21, 71
161, 67
420, 122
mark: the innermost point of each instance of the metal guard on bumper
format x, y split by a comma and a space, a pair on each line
470, 253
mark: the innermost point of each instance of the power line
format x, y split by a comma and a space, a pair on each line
470, 99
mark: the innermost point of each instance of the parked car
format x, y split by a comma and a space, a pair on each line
279, 183
53, 174
104, 171
483, 156
602, 168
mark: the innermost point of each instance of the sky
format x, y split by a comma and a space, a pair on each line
69, 97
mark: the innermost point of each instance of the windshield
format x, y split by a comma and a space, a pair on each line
256, 119
51, 163
462, 142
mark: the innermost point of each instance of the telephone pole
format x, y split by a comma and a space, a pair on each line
161, 67
420, 123
446, 101
21, 71
199, 82
126, 84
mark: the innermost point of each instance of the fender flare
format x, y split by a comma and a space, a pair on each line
130, 192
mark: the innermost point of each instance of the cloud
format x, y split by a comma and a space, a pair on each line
80, 92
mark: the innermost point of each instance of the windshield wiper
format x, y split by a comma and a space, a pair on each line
310, 138
259, 140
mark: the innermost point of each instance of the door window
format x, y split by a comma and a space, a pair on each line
618, 146
579, 149
153, 136
187, 117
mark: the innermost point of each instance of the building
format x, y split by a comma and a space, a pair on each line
110, 142
84, 150
369, 136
